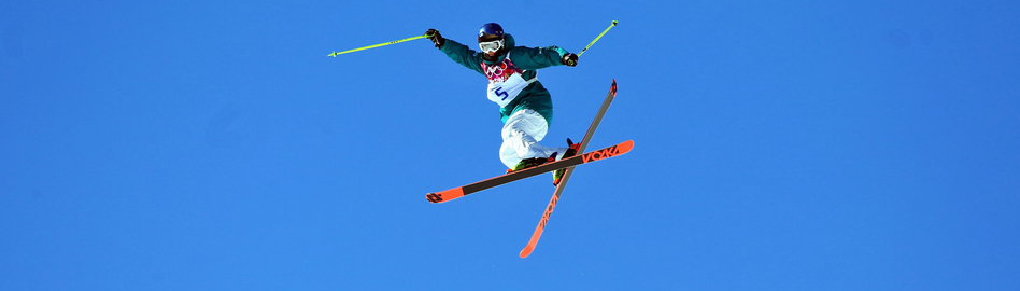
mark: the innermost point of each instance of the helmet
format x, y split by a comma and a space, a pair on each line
491, 38
490, 32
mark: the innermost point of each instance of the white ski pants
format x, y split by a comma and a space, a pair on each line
521, 134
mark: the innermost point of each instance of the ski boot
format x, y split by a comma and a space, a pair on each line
572, 149
528, 163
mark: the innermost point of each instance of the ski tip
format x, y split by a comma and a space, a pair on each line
440, 197
527, 251
626, 146
613, 88
533, 241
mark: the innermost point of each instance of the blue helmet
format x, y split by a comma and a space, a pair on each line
490, 32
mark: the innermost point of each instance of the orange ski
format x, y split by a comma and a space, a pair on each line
533, 241
593, 156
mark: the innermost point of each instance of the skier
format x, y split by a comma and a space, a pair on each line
525, 106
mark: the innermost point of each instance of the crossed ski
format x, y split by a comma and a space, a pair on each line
568, 163
615, 150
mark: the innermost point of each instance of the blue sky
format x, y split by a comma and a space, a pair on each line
780, 145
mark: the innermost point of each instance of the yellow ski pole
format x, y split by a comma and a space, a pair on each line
334, 54
615, 22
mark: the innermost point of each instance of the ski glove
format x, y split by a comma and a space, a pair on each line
433, 35
569, 59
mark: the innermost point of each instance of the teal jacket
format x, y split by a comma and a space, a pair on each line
535, 96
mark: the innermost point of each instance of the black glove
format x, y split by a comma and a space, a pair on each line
433, 35
569, 59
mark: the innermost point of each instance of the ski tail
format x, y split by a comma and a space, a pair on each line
443, 196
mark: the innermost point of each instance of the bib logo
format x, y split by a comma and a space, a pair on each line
500, 72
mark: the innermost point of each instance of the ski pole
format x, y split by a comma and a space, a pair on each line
615, 22
334, 54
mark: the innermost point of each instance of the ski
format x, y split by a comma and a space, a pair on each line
573, 161
533, 241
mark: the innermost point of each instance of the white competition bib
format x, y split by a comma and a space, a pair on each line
504, 92
505, 81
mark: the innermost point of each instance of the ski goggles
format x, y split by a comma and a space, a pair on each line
491, 46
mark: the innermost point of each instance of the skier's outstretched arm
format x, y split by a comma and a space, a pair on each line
456, 51
542, 57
